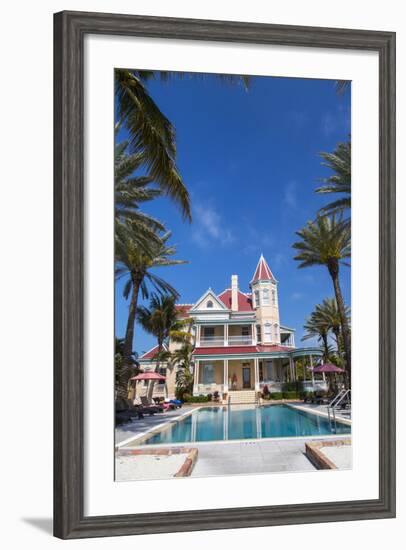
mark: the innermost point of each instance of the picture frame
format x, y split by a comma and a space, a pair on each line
70, 28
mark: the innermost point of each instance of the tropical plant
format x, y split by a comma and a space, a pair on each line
129, 192
123, 370
136, 265
151, 135
339, 161
182, 358
327, 241
327, 312
158, 320
317, 328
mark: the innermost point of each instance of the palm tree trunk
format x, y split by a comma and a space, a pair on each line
333, 270
325, 344
152, 382
129, 333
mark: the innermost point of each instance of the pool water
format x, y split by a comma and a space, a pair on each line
240, 422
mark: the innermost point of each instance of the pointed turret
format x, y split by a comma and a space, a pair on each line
263, 271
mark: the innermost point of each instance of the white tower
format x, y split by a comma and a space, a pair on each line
265, 302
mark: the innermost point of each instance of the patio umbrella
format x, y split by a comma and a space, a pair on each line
148, 376
327, 367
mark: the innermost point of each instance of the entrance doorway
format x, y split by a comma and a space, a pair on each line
246, 377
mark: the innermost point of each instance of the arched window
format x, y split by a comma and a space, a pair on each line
265, 297
267, 332
209, 303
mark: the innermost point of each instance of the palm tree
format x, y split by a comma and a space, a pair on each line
182, 357
152, 136
136, 265
327, 241
123, 371
317, 328
158, 319
130, 191
328, 313
339, 161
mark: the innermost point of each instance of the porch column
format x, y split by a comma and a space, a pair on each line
226, 335
196, 378
256, 374
253, 334
198, 331
225, 368
311, 366
291, 363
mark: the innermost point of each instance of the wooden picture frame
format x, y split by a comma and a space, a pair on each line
70, 30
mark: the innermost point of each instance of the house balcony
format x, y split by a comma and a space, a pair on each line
215, 341
223, 335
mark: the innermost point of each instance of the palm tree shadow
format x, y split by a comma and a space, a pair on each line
43, 524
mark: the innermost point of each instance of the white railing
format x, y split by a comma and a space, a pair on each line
316, 385
207, 341
243, 340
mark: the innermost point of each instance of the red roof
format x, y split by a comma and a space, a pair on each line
183, 309
151, 353
227, 350
244, 301
263, 272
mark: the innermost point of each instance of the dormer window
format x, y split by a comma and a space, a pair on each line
265, 297
209, 304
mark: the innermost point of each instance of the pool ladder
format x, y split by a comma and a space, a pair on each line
336, 402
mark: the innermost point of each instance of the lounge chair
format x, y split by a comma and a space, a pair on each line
125, 411
150, 405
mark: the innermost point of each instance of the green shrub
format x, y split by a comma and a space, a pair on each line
290, 395
276, 395
196, 399
267, 396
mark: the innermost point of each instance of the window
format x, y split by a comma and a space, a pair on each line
162, 372
208, 332
265, 297
269, 375
258, 328
276, 332
208, 374
274, 297
267, 332
245, 331
209, 304
256, 298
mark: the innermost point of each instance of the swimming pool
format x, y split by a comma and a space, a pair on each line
240, 422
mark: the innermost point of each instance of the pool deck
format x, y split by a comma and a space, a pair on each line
233, 457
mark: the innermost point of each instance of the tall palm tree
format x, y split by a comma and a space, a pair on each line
339, 161
136, 265
327, 241
151, 136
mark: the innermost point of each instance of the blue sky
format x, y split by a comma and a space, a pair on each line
250, 161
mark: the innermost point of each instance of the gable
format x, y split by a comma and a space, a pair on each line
208, 302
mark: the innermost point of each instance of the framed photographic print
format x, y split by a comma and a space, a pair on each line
224, 275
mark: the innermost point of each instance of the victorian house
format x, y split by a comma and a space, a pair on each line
240, 344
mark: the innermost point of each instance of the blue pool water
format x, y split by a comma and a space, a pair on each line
223, 423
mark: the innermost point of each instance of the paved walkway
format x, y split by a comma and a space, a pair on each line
140, 426
251, 457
